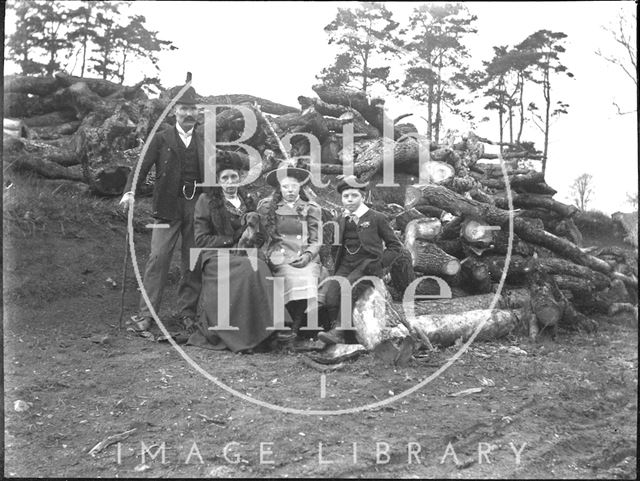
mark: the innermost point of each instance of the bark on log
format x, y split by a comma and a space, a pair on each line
401, 221
532, 201
267, 106
51, 132
429, 210
43, 86
517, 272
509, 299
42, 151
26, 84
429, 259
45, 168
22, 105
445, 329
344, 113
580, 288
459, 205
452, 247
515, 180
557, 266
52, 118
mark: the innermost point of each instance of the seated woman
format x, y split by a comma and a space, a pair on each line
292, 223
219, 214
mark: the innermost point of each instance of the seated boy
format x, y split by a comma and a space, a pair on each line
367, 245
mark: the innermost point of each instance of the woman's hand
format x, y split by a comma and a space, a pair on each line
301, 261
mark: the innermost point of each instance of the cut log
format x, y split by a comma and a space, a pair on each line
452, 247
580, 288
42, 151
376, 320
532, 201
346, 115
517, 272
402, 220
445, 329
45, 168
429, 259
55, 131
52, 118
267, 106
509, 299
429, 210
423, 228
567, 228
22, 105
557, 266
515, 180
15, 128
459, 205
25, 84
620, 307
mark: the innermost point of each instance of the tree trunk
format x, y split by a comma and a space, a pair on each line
508, 299
45, 168
445, 329
53, 118
459, 205
532, 201
429, 259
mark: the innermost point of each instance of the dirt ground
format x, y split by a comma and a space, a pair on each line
567, 407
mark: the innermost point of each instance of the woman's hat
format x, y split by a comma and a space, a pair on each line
350, 182
274, 177
229, 160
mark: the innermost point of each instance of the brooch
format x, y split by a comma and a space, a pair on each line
302, 210
364, 224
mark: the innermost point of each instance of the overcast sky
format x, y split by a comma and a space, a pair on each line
275, 49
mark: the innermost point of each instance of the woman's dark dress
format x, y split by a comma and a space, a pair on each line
250, 292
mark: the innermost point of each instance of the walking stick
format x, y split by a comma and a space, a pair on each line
124, 279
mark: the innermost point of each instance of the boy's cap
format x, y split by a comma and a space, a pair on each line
350, 182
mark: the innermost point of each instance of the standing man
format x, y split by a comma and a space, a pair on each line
178, 156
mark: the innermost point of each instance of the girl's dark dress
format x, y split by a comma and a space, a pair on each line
250, 292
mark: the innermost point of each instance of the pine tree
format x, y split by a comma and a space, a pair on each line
436, 70
366, 37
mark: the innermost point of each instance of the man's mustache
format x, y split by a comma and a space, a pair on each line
189, 117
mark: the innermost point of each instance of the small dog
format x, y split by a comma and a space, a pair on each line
253, 232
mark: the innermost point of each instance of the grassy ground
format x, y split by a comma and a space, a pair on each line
570, 405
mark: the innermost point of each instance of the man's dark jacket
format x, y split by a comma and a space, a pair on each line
164, 154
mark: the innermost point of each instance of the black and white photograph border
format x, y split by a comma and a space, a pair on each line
408, 239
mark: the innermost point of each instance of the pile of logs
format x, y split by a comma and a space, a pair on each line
455, 227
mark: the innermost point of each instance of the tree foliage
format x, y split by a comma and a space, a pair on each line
547, 46
437, 67
366, 39
47, 32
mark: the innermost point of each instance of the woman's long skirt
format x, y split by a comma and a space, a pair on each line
250, 308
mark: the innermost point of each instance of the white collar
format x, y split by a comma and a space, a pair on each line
359, 212
182, 132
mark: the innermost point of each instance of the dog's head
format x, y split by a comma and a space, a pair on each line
252, 219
